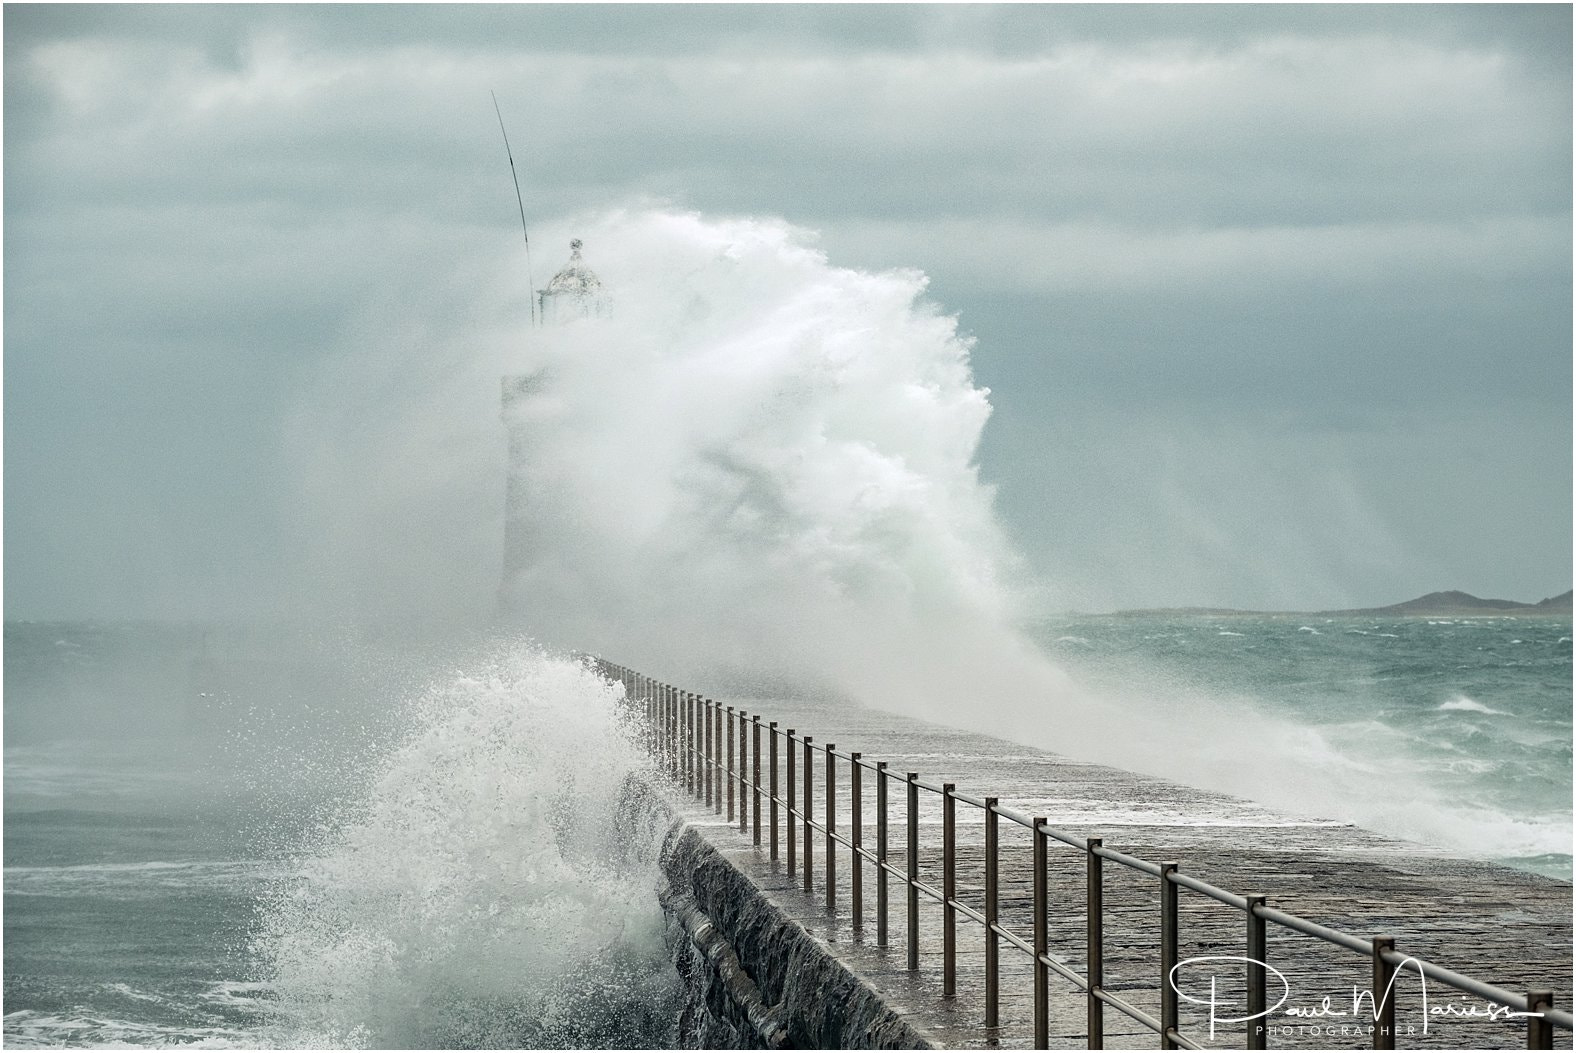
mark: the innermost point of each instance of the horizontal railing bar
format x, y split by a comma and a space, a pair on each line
1023, 819
930, 890
1012, 938
1016, 940
968, 798
1509, 999
1080, 843
1051, 963
1126, 860
969, 912
934, 787
1121, 1004
1143, 1018
1308, 928
1231, 899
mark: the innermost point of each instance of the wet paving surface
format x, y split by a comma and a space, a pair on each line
1497, 925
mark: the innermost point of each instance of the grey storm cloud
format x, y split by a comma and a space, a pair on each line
1260, 292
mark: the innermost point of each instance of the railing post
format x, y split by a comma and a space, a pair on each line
913, 871
856, 802
788, 810
1540, 1033
992, 897
1094, 907
881, 853
1383, 994
1169, 1003
771, 796
755, 779
1258, 1026
691, 733
807, 842
831, 826
715, 719
744, 771
672, 703
727, 770
711, 759
1042, 985
949, 891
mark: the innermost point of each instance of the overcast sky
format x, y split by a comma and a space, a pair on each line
1274, 303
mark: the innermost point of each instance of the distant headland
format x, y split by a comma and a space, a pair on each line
1453, 603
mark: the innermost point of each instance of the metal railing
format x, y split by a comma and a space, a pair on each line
714, 753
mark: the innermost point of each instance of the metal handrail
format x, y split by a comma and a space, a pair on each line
693, 740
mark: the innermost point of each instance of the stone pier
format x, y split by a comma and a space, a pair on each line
770, 964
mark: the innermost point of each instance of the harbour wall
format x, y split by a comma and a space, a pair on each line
754, 977
775, 926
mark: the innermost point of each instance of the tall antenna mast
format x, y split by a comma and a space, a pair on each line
529, 276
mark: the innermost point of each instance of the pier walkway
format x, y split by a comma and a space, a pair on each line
1499, 926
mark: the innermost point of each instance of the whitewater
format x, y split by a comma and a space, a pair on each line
757, 469
764, 466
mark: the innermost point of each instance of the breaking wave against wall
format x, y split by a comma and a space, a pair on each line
494, 889
760, 461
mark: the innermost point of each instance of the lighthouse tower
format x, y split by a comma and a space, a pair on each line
575, 292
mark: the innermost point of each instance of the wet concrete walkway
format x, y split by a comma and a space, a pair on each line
1497, 925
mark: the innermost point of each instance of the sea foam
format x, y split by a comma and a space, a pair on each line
494, 888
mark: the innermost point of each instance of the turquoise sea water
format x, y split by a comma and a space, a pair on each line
164, 784
1453, 732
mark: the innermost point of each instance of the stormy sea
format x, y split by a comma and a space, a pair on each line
321, 832
208, 843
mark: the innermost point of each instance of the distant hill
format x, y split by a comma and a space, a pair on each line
1453, 602
1456, 602
1562, 602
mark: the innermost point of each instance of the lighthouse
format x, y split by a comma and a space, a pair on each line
574, 293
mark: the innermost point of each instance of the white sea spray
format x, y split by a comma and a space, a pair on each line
495, 888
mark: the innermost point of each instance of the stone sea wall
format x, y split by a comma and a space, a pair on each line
755, 979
